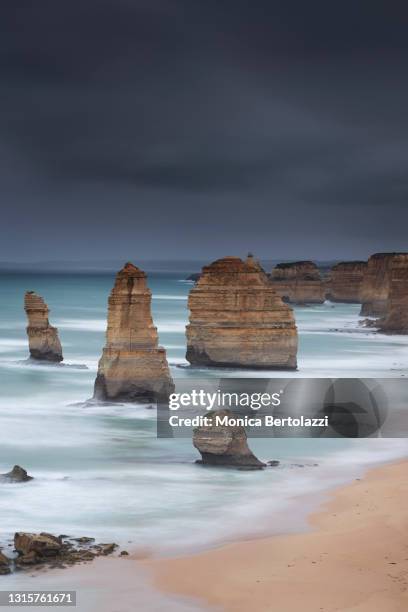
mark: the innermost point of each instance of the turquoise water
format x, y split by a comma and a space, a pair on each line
101, 471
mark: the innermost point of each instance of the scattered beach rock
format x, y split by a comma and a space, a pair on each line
224, 445
273, 463
42, 544
45, 549
124, 553
4, 565
17, 474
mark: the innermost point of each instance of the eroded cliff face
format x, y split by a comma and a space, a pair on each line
132, 366
376, 285
298, 282
396, 318
238, 320
44, 343
345, 282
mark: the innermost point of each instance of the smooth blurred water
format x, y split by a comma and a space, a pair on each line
101, 471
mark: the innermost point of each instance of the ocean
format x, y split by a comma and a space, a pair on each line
100, 471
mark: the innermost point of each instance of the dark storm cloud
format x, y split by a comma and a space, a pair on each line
285, 109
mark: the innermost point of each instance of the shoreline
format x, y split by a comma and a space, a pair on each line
353, 558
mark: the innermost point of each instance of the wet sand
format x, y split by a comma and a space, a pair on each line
355, 558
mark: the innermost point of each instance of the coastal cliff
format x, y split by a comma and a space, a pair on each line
238, 320
298, 282
44, 343
376, 285
132, 366
396, 318
345, 282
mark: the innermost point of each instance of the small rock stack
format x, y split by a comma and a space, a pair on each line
44, 343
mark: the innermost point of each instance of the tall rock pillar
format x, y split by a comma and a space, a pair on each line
132, 366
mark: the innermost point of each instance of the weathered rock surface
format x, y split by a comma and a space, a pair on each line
376, 285
224, 445
132, 366
396, 318
5, 563
44, 343
238, 320
41, 544
45, 549
17, 474
345, 282
298, 282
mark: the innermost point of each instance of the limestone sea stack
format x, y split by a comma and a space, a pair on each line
238, 320
133, 366
298, 282
396, 318
224, 445
44, 343
376, 285
345, 282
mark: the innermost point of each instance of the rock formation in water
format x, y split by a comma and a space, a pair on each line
17, 474
345, 282
396, 318
224, 445
44, 343
46, 550
298, 282
238, 320
132, 366
376, 285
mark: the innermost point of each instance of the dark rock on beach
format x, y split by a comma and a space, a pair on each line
47, 550
17, 474
4, 565
224, 445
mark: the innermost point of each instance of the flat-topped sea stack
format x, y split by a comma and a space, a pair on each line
396, 318
133, 366
298, 282
345, 282
376, 285
43, 340
238, 320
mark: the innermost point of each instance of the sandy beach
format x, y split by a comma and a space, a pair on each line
355, 558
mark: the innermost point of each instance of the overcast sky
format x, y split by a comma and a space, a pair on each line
144, 129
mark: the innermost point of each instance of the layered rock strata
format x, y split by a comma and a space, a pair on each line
376, 285
133, 366
44, 343
238, 320
345, 282
224, 445
396, 318
298, 282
